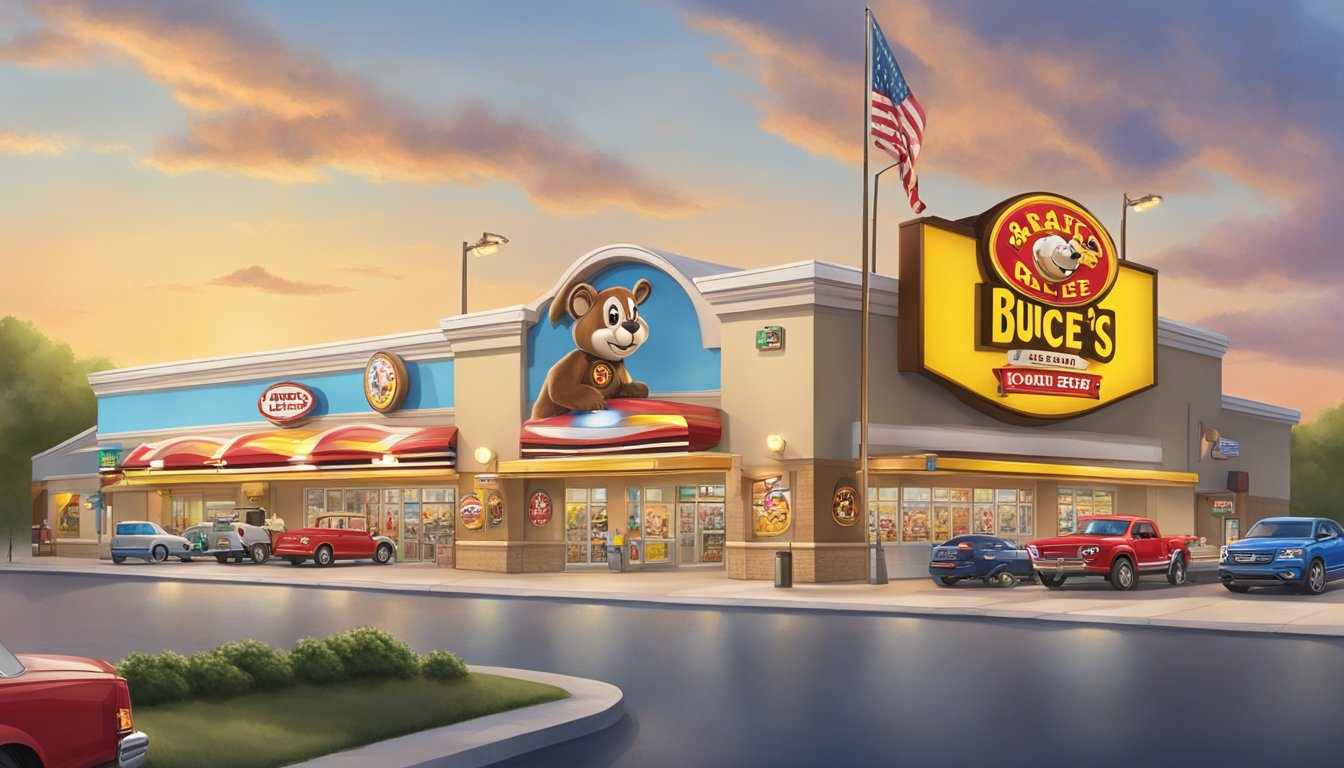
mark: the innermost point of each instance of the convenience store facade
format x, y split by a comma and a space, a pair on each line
746, 443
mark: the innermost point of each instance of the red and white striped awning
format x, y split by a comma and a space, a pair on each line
351, 444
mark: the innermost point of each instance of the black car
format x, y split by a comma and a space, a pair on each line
996, 562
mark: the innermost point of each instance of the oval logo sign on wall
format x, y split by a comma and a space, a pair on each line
539, 508
286, 403
470, 512
386, 382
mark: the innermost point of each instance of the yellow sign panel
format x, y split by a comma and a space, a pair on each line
1027, 310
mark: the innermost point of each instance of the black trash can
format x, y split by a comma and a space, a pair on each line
784, 569
615, 559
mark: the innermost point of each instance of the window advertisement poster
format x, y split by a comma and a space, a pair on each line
67, 514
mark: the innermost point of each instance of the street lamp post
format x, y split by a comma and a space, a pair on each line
487, 245
1139, 204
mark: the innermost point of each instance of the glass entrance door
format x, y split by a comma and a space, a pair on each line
585, 525
659, 544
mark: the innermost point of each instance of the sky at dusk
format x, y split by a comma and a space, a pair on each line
188, 179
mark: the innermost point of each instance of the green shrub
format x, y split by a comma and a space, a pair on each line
156, 679
270, 669
313, 661
214, 676
442, 664
371, 652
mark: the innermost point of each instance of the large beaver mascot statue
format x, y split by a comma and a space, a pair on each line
607, 329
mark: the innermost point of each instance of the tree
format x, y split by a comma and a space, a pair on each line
1318, 465
44, 399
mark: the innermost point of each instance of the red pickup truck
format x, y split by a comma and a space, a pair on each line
65, 712
1116, 547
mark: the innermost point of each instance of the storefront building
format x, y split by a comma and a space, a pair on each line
731, 427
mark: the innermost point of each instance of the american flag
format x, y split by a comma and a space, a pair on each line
897, 118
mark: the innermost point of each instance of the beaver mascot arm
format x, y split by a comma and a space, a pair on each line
607, 329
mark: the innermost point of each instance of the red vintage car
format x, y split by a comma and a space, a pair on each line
334, 537
65, 712
1115, 547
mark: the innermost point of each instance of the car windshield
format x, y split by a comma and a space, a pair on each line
1280, 529
1106, 527
9, 663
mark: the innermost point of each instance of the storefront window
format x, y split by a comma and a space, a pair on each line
919, 515
415, 518
657, 526
585, 525
709, 507
1082, 502
915, 510
188, 510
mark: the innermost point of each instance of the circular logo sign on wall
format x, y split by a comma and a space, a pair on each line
286, 403
1052, 250
539, 508
386, 382
471, 511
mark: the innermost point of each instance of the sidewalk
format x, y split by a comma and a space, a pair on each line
1202, 604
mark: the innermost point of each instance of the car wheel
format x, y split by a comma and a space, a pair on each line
944, 581
1176, 574
185, 559
221, 559
1123, 577
6, 761
295, 560
323, 556
383, 554
118, 559
260, 553
158, 554
1240, 589
1314, 581
1053, 582
1002, 579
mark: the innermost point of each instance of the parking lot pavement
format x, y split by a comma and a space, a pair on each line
1201, 604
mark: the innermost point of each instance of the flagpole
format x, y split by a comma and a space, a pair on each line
876, 573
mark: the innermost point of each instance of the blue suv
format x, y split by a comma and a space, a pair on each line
1305, 552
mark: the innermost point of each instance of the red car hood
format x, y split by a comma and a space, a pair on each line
44, 663
1067, 546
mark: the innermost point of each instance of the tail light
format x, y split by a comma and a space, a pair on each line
240, 532
124, 722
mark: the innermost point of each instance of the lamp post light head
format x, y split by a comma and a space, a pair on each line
1143, 203
488, 244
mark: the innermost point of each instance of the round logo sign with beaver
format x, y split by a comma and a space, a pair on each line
1050, 249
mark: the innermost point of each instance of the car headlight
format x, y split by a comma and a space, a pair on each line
1087, 552
1222, 554
1290, 552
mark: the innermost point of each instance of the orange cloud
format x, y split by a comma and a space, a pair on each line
258, 278
261, 108
14, 144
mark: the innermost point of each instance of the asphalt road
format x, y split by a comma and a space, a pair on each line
754, 687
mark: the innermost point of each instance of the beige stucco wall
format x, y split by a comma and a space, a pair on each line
768, 392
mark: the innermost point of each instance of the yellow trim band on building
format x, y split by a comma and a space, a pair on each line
611, 465
154, 477
951, 465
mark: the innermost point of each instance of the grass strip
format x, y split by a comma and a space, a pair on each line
267, 730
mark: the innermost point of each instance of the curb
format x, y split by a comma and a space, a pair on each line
592, 706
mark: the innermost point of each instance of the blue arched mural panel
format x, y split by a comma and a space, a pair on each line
672, 360
236, 402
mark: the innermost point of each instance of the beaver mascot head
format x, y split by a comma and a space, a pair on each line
607, 329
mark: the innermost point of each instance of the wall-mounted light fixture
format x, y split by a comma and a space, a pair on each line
774, 443
484, 455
